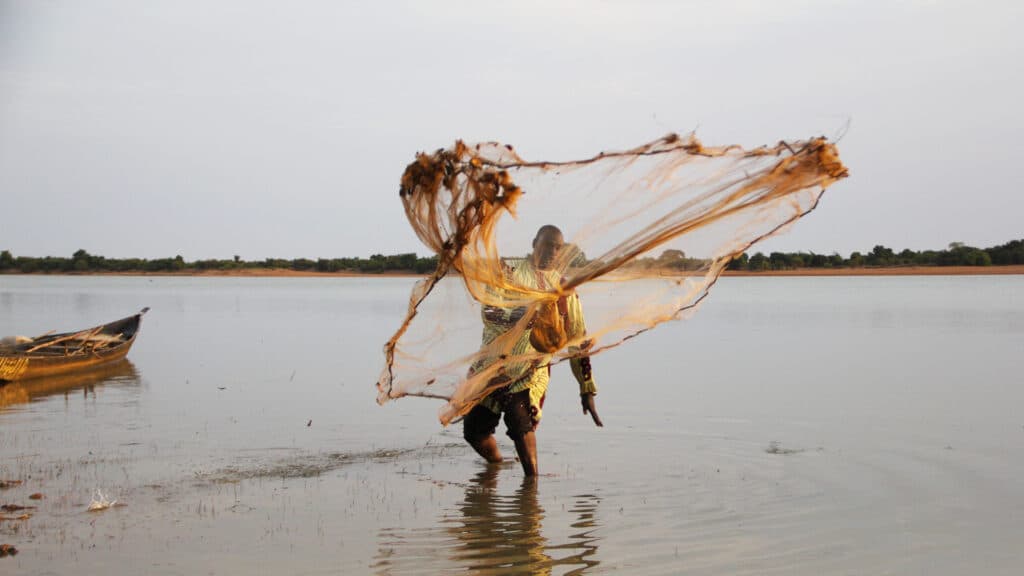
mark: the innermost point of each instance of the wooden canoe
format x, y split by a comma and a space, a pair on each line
53, 354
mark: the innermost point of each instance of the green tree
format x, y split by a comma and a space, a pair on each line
6, 260
880, 256
26, 264
1010, 253
672, 258
779, 261
80, 261
739, 262
758, 262
816, 260
401, 262
425, 265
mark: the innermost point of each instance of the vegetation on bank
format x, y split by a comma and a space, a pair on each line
82, 261
957, 254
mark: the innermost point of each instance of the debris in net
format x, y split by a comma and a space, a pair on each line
100, 502
21, 517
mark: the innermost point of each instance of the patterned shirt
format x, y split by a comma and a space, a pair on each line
534, 376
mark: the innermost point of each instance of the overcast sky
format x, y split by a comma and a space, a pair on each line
280, 129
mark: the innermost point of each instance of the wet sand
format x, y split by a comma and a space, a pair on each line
792, 426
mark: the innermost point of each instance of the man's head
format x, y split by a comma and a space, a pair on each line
546, 246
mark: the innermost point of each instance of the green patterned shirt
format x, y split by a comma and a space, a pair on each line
523, 374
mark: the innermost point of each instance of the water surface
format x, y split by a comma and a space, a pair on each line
792, 426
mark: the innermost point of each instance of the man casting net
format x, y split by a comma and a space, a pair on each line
642, 235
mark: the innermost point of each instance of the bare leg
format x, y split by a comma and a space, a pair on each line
488, 448
526, 448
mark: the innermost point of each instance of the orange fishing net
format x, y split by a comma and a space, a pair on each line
647, 233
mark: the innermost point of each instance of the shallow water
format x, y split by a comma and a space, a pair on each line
792, 426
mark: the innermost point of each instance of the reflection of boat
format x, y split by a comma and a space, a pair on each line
52, 354
119, 372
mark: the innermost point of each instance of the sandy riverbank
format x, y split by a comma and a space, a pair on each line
888, 271
244, 273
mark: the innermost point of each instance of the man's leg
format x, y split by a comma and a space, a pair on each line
521, 425
488, 448
526, 448
478, 429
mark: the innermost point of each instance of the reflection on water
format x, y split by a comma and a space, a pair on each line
121, 373
494, 533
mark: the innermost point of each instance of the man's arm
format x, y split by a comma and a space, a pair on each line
581, 368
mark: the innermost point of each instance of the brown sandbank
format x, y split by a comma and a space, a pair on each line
889, 271
881, 271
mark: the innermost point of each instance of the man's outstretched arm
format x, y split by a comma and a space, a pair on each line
581, 368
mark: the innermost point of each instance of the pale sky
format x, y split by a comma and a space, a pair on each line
280, 129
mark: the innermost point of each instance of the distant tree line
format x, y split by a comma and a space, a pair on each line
958, 254
82, 261
671, 259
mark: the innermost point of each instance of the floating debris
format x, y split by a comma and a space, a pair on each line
36, 496
100, 502
5, 484
7, 550
774, 447
15, 507
306, 465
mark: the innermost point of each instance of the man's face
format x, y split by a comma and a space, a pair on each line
545, 249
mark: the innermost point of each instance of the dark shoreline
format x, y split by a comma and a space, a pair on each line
284, 273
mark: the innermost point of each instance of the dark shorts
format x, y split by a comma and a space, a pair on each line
481, 421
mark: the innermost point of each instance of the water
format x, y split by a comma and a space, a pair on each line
792, 426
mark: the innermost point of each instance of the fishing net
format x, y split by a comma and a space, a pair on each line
647, 232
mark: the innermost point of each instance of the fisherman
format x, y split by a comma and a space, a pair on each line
522, 399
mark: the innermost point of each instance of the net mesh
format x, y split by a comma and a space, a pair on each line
647, 233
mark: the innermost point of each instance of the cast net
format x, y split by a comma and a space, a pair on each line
647, 233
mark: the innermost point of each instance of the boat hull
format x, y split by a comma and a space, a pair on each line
25, 364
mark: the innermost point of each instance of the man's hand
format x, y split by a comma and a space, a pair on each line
589, 407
